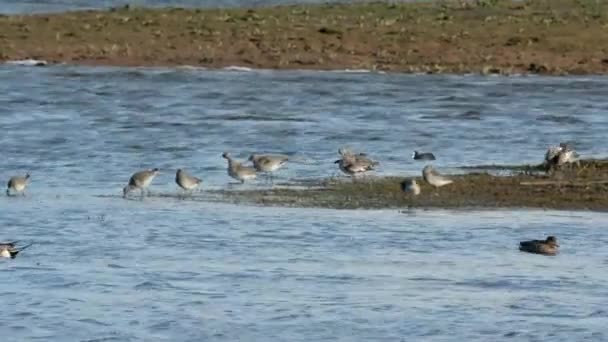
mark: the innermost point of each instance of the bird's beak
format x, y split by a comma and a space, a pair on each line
337, 161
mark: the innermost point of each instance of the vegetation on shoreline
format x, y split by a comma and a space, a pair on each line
582, 187
485, 36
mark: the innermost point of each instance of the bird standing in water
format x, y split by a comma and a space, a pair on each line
268, 163
187, 182
237, 171
140, 180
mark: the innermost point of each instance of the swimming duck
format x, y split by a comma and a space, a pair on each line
10, 249
548, 246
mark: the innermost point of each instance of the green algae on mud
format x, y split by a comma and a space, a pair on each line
486, 36
582, 187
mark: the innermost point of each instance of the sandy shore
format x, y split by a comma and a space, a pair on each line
483, 36
581, 187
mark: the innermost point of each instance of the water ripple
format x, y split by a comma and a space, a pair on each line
102, 268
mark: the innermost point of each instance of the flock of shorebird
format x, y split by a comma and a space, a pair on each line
350, 163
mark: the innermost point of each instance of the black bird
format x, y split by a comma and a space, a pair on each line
423, 156
546, 247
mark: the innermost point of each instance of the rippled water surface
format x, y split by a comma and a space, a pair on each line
103, 268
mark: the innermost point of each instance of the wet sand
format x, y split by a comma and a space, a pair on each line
485, 36
574, 187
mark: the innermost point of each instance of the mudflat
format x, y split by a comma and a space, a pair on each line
483, 36
576, 187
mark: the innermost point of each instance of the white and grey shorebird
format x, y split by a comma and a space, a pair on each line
140, 180
268, 163
237, 171
423, 156
560, 155
354, 164
433, 177
10, 249
187, 182
410, 186
17, 184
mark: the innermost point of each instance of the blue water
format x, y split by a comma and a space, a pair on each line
163, 269
36, 6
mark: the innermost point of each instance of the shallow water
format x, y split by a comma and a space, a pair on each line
103, 268
36, 6
104, 123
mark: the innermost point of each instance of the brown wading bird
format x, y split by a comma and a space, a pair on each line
268, 163
187, 182
10, 249
545, 247
432, 177
237, 171
354, 164
17, 185
140, 180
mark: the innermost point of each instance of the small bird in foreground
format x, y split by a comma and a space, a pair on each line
560, 155
410, 186
423, 156
548, 246
140, 180
432, 177
17, 184
237, 171
10, 249
187, 182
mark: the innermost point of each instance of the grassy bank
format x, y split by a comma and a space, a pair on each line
488, 36
581, 187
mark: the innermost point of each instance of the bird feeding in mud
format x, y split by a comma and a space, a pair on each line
140, 180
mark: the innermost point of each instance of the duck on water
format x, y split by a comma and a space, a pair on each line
549, 246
